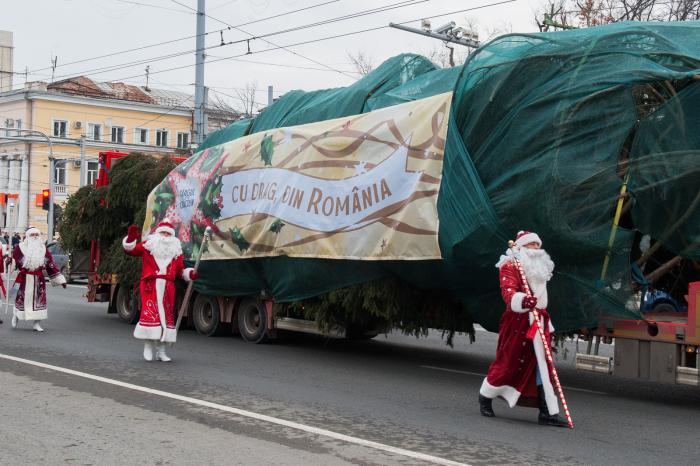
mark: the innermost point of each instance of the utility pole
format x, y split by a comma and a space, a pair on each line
269, 96
199, 128
446, 33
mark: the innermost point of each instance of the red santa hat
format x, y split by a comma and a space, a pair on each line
527, 237
166, 227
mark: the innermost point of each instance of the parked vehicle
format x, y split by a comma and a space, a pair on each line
71, 264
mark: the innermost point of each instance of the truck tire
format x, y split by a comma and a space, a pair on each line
205, 315
252, 320
664, 307
128, 305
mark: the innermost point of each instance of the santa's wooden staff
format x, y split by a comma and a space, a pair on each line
188, 292
545, 343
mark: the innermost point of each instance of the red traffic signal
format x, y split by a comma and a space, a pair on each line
45, 199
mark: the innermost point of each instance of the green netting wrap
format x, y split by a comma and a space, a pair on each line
543, 132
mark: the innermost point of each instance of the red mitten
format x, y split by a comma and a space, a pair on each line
133, 234
194, 274
529, 302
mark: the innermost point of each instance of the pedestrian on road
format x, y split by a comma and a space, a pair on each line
520, 374
162, 263
15, 240
31, 259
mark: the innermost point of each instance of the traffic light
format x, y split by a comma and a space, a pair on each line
45, 199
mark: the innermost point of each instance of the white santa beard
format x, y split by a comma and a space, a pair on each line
164, 249
34, 253
537, 264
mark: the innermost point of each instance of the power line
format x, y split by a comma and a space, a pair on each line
153, 6
34, 72
354, 15
336, 36
269, 42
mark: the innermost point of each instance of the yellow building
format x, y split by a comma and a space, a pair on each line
81, 118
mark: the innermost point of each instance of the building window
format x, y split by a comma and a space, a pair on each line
59, 175
183, 140
18, 124
161, 138
9, 123
60, 128
91, 173
140, 136
94, 131
118, 134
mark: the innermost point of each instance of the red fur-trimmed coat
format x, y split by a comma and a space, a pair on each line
512, 375
157, 321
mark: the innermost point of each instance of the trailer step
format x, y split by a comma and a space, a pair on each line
305, 326
593, 363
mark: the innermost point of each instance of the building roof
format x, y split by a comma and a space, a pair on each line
84, 86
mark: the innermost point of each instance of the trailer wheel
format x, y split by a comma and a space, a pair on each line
128, 305
205, 315
252, 320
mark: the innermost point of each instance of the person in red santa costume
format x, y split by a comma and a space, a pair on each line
31, 259
520, 374
162, 263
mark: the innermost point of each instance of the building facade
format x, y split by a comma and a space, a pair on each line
81, 118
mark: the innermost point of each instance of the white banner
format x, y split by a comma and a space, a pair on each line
318, 204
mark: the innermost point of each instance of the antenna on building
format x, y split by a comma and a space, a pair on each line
148, 69
54, 62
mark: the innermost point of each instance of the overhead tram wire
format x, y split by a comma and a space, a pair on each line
357, 14
336, 36
218, 31
271, 43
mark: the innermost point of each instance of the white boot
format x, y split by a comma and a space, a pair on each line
37, 327
160, 353
148, 350
15, 320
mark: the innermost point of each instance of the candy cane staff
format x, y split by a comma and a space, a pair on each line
31, 259
162, 263
520, 374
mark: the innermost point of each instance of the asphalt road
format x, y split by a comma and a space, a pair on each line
395, 391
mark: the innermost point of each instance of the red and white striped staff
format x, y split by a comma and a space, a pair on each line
545, 343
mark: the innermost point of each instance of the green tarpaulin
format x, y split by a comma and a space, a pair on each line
543, 129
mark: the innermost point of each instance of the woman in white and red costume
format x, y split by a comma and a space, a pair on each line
162, 263
520, 374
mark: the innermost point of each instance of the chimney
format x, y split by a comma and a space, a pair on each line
6, 50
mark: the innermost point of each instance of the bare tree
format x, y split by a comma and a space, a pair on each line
246, 97
554, 10
588, 13
363, 62
221, 113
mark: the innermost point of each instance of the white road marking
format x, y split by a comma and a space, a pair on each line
444, 369
242, 412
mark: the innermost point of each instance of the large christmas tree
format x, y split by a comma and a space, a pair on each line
103, 214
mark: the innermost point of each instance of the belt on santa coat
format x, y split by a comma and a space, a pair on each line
532, 331
150, 280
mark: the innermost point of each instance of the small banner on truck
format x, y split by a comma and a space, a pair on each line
360, 187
